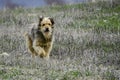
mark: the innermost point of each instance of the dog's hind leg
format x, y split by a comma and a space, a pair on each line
29, 44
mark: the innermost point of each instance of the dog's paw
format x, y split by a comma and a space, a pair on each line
43, 54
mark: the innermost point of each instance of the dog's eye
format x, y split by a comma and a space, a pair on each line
49, 24
43, 24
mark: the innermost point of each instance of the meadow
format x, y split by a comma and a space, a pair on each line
86, 46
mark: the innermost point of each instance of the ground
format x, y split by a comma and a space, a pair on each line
86, 46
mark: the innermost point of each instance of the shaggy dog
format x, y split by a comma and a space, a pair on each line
40, 41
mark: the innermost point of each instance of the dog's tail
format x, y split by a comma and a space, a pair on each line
29, 44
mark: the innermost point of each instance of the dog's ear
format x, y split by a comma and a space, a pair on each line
40, 19
52, 21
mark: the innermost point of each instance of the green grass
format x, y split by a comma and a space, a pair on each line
9, 74
86, 37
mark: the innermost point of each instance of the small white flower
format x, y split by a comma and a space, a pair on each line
104, 20
4, 54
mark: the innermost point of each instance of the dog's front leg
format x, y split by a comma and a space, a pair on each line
39, 50
48, 50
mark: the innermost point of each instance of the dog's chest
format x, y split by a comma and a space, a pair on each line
44, 42
41, 40
45, 45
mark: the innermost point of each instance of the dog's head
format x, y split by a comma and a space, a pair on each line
46, 25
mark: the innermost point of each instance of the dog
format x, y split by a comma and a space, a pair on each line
40, 40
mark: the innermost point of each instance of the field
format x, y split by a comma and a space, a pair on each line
86, 46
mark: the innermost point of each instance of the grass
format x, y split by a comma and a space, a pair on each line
9, 74
87, 43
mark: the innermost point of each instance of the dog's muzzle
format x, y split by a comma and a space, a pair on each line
47, 30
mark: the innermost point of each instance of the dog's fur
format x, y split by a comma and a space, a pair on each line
40, 41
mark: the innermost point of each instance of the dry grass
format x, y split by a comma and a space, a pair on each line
84, 48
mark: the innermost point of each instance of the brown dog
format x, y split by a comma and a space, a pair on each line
40, 41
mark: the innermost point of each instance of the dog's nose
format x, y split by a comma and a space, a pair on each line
47, 30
